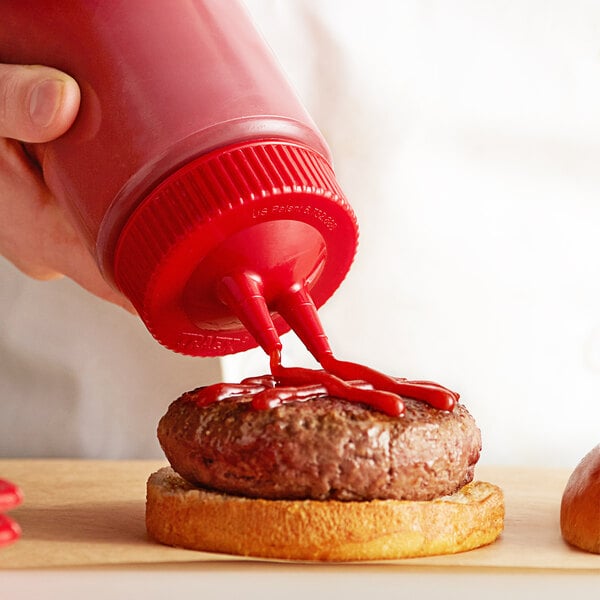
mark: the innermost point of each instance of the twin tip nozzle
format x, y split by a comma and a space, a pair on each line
243, 293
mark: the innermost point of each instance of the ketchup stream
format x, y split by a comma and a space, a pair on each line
349, 381
243, 292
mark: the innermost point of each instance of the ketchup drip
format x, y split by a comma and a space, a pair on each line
350, 381
243, 292
334, 385
347, 380
427, 391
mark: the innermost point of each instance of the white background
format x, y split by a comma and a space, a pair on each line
467, 138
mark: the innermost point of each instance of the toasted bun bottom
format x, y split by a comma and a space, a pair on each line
580, 506
179, 514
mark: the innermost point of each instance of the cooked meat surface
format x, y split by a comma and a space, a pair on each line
322, 448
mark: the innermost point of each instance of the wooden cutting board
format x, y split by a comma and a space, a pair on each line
90, 513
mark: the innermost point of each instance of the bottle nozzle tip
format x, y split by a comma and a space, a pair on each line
243, 294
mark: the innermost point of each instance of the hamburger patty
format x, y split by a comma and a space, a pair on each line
320, 449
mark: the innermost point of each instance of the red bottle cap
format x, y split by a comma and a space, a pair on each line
209, 254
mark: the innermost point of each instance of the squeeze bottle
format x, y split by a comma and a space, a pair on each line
193, 173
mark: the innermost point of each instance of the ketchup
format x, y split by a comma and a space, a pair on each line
350, 381
10, 497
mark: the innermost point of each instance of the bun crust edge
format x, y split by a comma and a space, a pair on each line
580, 505
179, 514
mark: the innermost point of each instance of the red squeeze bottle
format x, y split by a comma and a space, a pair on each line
193, 173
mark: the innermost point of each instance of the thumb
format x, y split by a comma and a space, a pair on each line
37, 103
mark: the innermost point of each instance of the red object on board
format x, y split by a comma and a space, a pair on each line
10, 497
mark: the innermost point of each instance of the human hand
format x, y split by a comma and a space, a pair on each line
39, 104
10, 497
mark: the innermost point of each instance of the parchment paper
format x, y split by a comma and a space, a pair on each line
91, 513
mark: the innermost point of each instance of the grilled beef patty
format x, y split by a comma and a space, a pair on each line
320, 449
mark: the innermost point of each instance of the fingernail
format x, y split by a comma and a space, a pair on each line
44, 101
